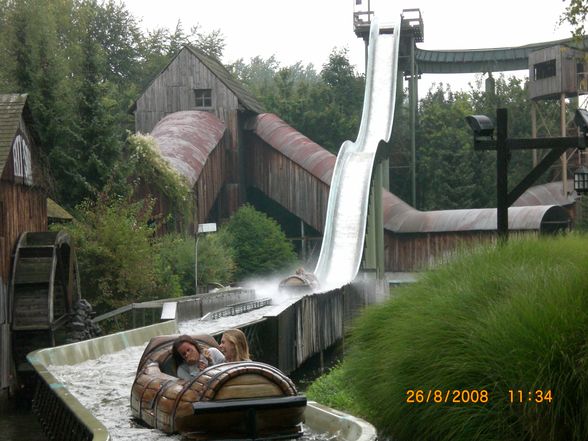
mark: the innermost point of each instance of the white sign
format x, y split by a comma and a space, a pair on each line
206, 228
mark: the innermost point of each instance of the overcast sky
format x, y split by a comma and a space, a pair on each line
308, 30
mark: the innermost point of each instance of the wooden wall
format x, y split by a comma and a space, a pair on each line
173, 90
22, 208
211, 180
415, 252
565, 79
285, 182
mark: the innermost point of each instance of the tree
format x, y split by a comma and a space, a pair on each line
260, 245
216, 264
575, 14
117, 261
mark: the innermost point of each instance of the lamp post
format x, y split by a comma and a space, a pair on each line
202, 229
483, 129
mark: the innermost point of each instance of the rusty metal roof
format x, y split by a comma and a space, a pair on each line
11, 109
402, 218
294, 145
399, 217
547, 194
185, 140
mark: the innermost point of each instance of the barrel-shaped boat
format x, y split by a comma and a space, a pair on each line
242, 400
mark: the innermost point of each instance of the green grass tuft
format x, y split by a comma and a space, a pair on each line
497, 319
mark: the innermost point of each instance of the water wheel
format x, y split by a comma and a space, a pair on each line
43, 289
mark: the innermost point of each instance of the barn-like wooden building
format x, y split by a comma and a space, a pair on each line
23, 201
195, 82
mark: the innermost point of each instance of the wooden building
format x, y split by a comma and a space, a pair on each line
23, 201
557, 70
193, 81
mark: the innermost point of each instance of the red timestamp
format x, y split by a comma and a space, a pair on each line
519, 396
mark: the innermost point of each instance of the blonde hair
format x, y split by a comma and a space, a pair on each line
238, 339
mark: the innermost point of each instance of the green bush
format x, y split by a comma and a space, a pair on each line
116, 259
260, 245
331, 390
499, 319
215, 260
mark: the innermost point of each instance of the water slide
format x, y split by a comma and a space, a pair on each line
347, 209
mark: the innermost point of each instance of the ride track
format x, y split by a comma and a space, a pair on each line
345, 225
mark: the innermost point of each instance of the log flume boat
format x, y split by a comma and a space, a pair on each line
237, 401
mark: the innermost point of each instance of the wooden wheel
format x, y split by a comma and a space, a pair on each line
43, 289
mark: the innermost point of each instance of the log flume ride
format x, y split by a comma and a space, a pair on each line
239, 400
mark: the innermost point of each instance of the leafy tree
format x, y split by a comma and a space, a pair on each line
446, 157
215, 260
117, 262
260, 245
326, 107
575, 14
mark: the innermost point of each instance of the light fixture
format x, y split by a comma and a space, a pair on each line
482, 126
581, 120
581, 180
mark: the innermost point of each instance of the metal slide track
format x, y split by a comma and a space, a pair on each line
344, 235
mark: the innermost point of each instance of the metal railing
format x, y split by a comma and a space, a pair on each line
141, 314
237, 308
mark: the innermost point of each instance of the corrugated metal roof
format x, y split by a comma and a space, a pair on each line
547, 194
294, 145
481, 60
185, 140
11, 109
399, 217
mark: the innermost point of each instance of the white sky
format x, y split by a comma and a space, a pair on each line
308, 30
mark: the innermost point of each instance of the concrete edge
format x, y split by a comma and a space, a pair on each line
345, 427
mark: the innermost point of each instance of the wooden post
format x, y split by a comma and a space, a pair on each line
502, 155
564, 157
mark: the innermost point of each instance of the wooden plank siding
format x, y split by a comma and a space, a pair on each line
286, 182
22, 208
173, 91
565, 79
417, 252
211, 180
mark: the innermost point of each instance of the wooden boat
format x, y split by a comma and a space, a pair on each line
300, 282
242, 400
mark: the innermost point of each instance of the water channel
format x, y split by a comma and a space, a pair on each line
103, 385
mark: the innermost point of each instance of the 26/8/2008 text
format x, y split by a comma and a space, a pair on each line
418, 396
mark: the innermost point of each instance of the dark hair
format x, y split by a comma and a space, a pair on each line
178, 342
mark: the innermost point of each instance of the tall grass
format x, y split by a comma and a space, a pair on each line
512, 317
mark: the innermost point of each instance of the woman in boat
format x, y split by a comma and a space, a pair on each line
234, 346
191, 359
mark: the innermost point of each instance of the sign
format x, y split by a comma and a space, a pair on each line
206, 228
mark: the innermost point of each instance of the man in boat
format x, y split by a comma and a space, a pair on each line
191, 359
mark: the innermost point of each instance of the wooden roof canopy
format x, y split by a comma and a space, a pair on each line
12, 107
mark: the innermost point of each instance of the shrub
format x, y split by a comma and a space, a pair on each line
260, 245
215, 260
500, 319
115, 255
